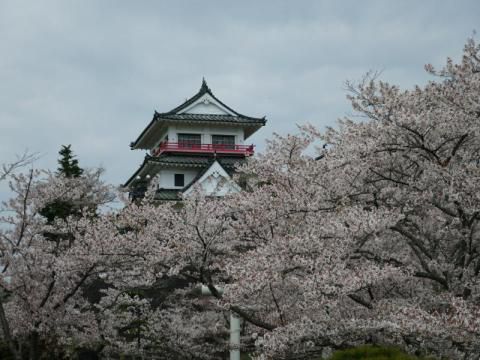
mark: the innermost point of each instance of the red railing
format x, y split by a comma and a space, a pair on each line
185, 147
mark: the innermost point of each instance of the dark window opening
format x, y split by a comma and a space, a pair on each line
189, 140
223, 141
179, 180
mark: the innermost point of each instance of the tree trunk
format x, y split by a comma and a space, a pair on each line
33, 351
6, 332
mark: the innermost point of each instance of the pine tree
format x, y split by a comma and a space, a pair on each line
68, 164
70, 169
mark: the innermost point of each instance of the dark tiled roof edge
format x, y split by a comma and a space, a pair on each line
192, 159
204, 89
168, 194
136, 172
240, 119
133, 143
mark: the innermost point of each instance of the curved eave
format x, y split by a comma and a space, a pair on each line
131, 180
250, 130
148, 167
139, 143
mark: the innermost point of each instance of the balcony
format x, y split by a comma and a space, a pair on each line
192, 148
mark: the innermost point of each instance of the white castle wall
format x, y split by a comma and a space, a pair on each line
166, 180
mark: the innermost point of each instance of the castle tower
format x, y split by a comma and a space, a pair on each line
197, 143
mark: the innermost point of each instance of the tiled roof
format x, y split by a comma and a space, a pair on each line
167, 194
160, 194
238, 119
167, 159
204, 89
173, 115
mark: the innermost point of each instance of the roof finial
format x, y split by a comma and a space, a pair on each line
204, 85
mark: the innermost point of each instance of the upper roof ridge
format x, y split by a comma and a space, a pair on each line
204, 88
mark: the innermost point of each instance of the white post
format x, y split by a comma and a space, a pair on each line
234, 325
234, 337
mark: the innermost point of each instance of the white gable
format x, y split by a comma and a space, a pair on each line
206, 105
214, 182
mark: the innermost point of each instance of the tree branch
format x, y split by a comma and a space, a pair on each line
360, 301
252, 320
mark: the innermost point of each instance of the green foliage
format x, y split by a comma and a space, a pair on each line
58, 209
70, 169
68, 164
373, 353
5, 353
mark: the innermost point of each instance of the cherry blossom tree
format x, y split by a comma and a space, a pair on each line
279, 253
7, 170
366, 233
49, 267
21, 161
374, 238
154, 304
46, 264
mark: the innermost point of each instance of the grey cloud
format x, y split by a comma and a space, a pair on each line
91, 73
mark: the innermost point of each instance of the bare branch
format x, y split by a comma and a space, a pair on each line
21, 160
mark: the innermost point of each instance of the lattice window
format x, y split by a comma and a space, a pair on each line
189, 140
223, 141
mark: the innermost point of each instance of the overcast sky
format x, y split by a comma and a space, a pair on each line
91, 73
